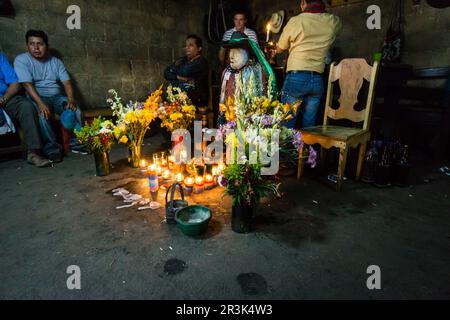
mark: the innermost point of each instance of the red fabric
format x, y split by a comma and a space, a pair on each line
229, 88
318, 7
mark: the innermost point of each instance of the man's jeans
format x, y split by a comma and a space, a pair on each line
306, 86
57, 105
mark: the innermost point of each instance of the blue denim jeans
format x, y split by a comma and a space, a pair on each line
57, 104
307, 86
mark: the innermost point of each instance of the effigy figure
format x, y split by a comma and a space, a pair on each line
248, 67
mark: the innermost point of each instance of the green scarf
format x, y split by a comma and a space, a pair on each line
270, 75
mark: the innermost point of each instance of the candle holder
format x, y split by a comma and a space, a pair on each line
209, 182
166, 176
179, 177
143, 167
199, 186
189, 185
156, 159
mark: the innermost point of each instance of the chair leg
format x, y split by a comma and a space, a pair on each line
300, 163
341, 168
362, 154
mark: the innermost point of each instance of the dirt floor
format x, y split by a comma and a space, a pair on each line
313, 244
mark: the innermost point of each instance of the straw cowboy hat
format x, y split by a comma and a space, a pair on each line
276, 21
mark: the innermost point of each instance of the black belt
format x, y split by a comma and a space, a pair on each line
303, 71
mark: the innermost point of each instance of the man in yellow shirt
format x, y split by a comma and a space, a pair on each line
308, 37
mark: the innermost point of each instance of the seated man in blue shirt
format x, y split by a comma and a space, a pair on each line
21, 110
41, 74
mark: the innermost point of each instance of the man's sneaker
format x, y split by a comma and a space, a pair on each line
37, 160
79, 149
54, 157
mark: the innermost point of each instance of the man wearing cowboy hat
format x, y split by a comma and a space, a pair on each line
240, 20
308, 37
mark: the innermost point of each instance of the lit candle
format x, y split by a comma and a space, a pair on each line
214, 171
188, 185
199, 186
143, 167
151, 168
209, 182
189, 181
179, 177
166, 174
158, 170
268, 32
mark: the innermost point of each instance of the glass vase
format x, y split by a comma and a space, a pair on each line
135, 155
101, 163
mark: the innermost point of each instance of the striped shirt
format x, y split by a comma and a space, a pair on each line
249, 32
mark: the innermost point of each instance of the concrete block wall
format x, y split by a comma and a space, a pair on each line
427, 30
122, 44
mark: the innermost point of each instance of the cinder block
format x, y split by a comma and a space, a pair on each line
120, 68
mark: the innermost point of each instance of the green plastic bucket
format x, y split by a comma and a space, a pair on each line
193, 220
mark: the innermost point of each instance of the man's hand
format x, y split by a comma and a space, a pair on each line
2, 101
44, 110
72, 105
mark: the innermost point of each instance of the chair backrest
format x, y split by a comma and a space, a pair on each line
351, 74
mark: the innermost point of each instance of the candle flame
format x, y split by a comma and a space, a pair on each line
189, 181
199, 180
268, 27
166, 174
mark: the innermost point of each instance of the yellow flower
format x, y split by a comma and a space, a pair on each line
124, 139
175, 116
130, 117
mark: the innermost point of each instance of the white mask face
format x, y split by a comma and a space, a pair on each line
238, 58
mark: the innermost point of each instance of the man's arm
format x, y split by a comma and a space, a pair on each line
12, 90
278, 50
31, 90
170, 73
194, 70
71, 103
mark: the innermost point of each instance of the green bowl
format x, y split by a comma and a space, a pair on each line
193, 220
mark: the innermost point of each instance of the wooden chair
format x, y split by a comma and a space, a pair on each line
351, 74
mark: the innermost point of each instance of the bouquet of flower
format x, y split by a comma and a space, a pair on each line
255, 122
98, 136
177, 112
133, 120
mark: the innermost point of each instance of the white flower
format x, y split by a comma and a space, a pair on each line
105, 131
